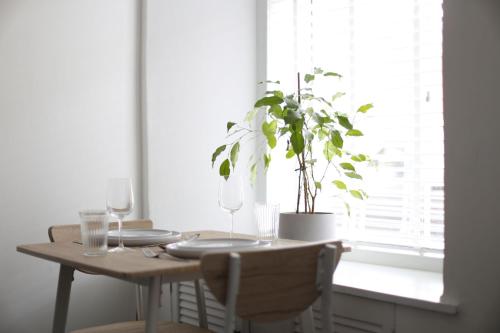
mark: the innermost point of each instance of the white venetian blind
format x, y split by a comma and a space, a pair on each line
389, 52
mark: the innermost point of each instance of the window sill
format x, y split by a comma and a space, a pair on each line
409, 287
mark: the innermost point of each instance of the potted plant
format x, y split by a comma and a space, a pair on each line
315, 133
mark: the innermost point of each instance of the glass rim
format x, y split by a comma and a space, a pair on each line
92, 212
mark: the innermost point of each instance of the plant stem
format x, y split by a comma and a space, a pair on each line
306, 185
299, 190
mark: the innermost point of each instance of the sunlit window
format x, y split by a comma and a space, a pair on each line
389, 53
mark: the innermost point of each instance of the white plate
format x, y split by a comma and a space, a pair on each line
195, 248
140, 237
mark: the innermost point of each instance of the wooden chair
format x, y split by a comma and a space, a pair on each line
71, 232
275, 284
262, 286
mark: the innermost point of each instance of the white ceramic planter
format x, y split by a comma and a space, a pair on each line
307, 227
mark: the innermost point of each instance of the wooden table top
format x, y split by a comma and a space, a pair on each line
131, 265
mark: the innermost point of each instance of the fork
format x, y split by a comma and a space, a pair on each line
148, 253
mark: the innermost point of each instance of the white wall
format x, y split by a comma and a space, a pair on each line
471, 62
68, 121
201, 73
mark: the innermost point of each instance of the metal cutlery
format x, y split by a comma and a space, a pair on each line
148, 253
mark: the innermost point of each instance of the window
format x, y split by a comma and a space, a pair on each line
389, 53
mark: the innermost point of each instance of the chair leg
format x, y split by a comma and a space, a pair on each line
200, 302
139, 303
233, 286
174, 301
328, 263
307, 321
245, 326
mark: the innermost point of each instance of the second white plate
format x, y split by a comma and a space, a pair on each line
195, 248
141, 237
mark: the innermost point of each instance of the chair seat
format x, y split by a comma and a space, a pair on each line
139, 327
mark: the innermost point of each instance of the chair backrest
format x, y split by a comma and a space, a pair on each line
274, 284
71, 232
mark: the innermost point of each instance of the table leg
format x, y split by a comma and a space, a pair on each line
153, 304
62, 299
139, 306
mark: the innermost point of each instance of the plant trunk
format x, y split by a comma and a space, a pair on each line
299, 190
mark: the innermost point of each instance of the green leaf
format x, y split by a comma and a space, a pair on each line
291, 103
348, 208
268, 100
347, 166
291, 116
318, 185
318, 70
329, 150
332, 74
217, 153
353, 175
276, 111
297, 125
267, 160
358, 158
364, 108
284, 130
322, 133
321, 120
308, 78
356, 194
269, 81
253, 173
337, 95
234, 154
290, 153
344, 121
251, 115
321, 99
340, 184
279, 93
269, 131
297, 141
225, 169
354, 132
337, 139
230, 125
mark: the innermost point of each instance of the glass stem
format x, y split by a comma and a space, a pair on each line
120, 240
232, 225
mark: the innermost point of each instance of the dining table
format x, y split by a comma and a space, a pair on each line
132, 266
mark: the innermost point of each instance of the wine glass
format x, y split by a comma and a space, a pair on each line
119, 203
231, 197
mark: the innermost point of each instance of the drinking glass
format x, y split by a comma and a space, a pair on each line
119, 203
267, 216
94, 231
231, 197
